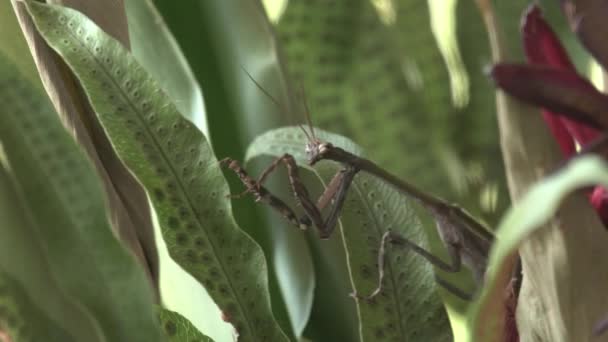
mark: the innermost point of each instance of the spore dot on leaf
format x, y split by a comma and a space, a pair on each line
181, 239
209, 284
183, 213
366, 273
191, 256
161, 171
159, 195
223, 290
199, 242
173, 222
170, 328
206, 258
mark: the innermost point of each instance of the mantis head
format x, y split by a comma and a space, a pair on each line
315, 148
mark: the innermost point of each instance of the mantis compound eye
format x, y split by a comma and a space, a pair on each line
311, 151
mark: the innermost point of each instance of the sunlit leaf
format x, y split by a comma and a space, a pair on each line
175, 164
179, 329
223, 41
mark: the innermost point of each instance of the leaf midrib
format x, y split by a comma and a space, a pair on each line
389, 264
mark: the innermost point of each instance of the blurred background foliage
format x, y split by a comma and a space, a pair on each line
404, 79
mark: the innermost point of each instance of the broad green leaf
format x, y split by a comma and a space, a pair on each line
153, 45
175, 164
184, 294
158, 52
21, 319
65, 200
42, 306
179, 329
580, 242
409, 308
220, 39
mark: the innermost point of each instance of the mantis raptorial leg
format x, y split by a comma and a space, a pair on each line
336, 190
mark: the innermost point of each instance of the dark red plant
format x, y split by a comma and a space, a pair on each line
572, 107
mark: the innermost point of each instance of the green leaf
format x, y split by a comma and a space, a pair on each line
237, 36
175, 164
182, 293
21, 319
409, 308
580, 242
30, 290
179, 329
155, 48
66, 204
153, 45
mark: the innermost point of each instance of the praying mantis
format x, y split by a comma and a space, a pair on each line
466, 240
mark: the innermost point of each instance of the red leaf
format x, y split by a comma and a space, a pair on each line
543, 48
561, 92
541, 45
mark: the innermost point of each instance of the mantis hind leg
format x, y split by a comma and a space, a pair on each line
453, 289
455, 264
